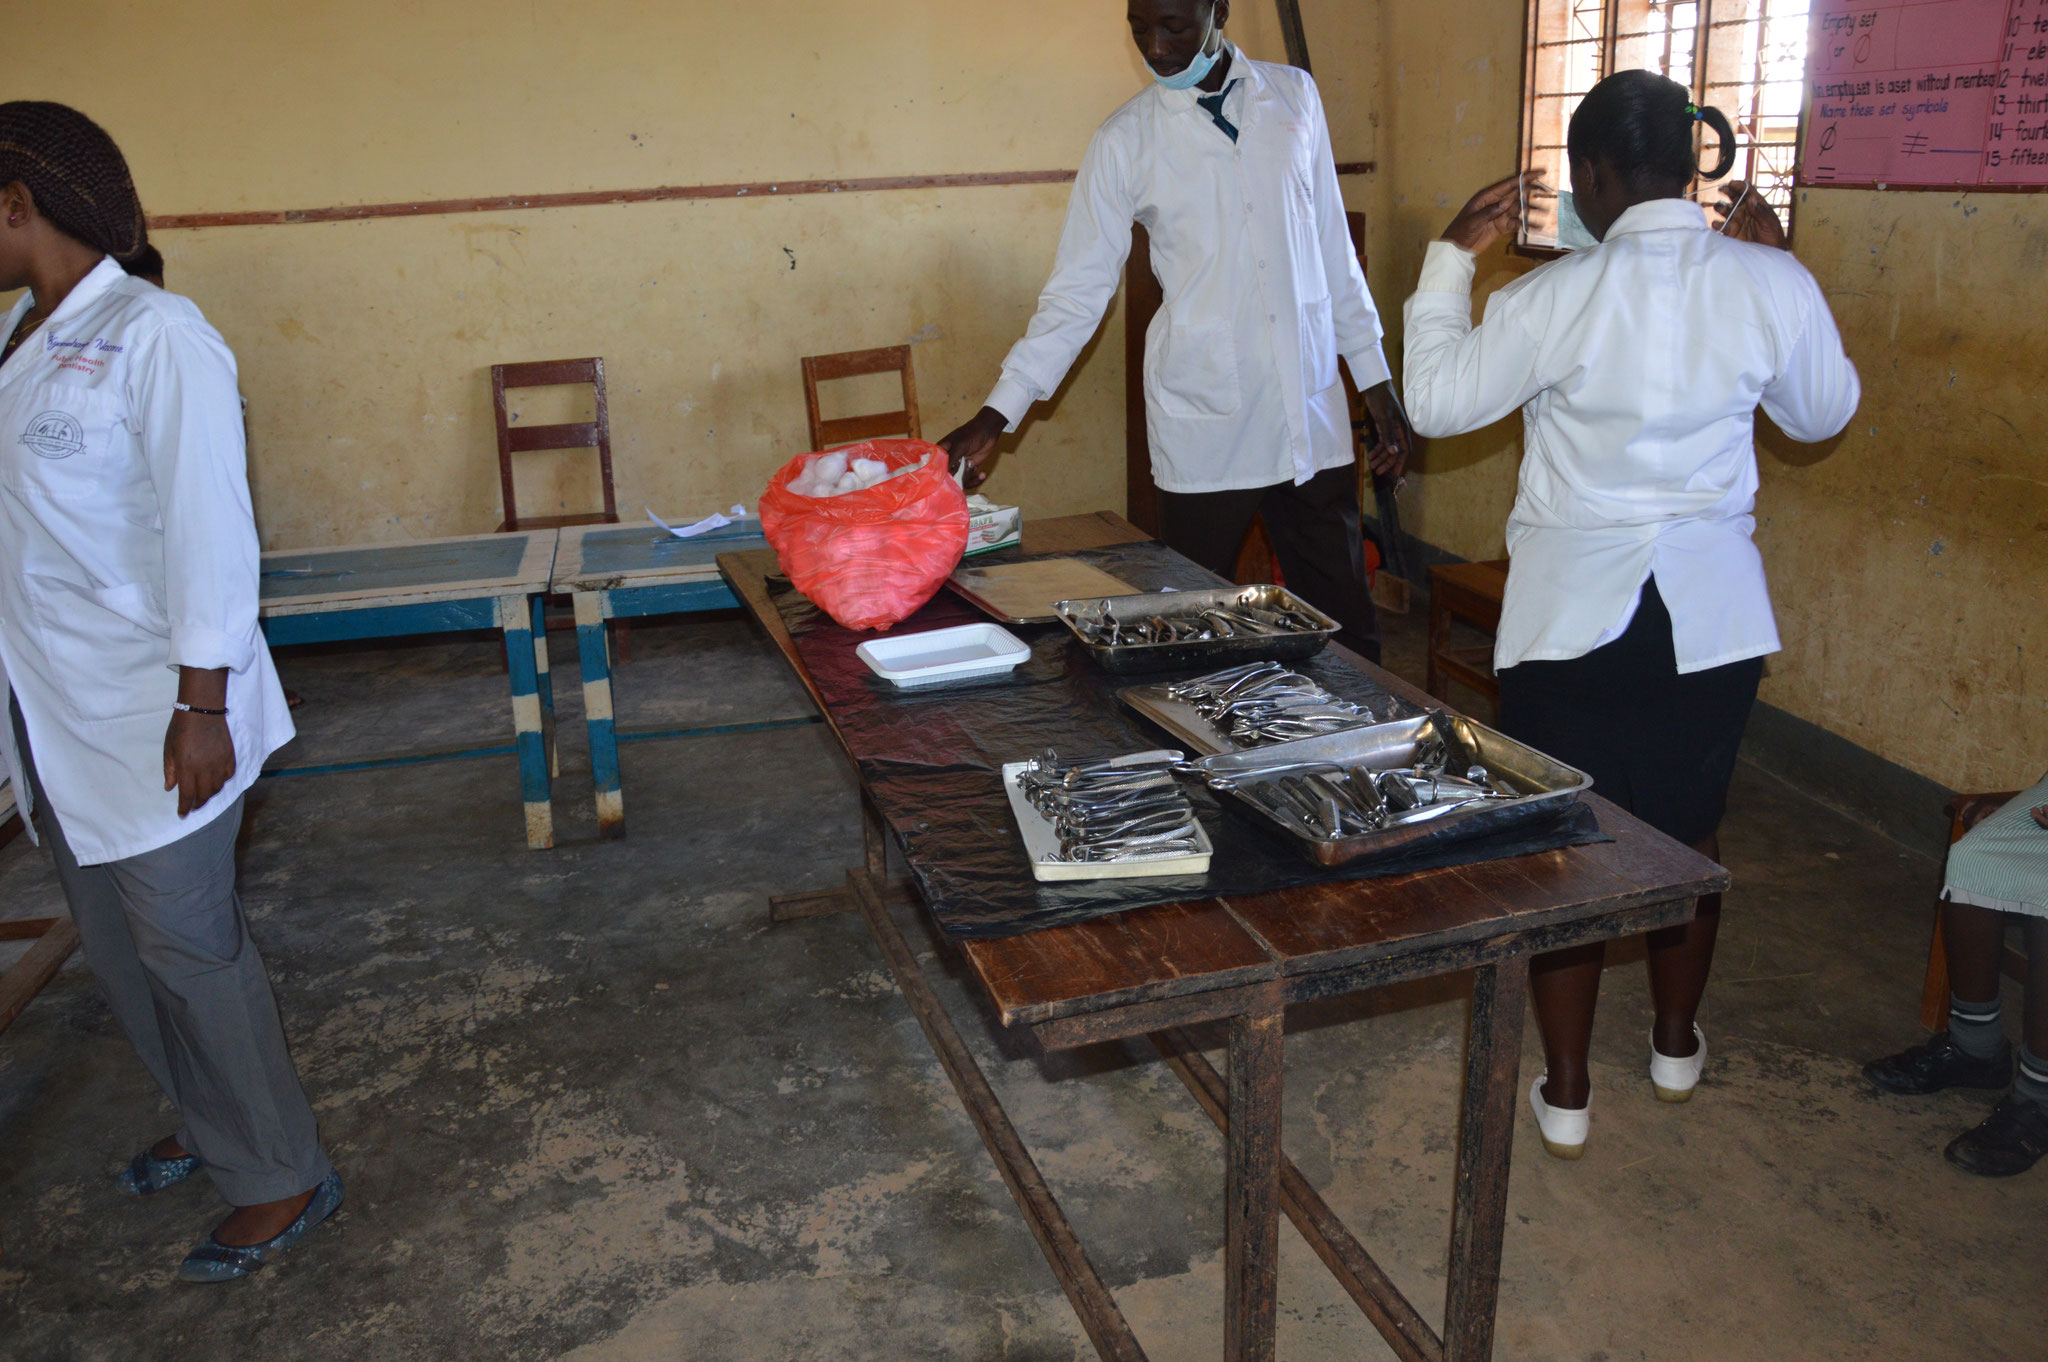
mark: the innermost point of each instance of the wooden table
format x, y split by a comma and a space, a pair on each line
1155, 971
621, 572
1470, 592
433, 586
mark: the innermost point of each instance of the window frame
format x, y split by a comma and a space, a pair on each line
1610, 38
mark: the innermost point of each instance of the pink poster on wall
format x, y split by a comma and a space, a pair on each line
1927, 93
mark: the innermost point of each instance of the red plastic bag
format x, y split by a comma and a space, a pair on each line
870, 558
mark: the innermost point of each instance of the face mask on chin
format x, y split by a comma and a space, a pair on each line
1196, 71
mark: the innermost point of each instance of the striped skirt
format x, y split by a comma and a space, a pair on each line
2002, 863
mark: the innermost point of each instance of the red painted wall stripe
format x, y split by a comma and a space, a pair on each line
582, 199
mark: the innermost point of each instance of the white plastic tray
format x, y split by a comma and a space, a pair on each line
939, 656
1042, 845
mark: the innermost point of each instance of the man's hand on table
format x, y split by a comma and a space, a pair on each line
973, 445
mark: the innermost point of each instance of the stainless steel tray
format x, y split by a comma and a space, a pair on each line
1547, 786
1125, 658
1185, 722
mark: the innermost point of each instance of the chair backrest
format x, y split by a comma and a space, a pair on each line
595, 434
853, 363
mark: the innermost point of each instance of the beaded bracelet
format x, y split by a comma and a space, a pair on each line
195, 709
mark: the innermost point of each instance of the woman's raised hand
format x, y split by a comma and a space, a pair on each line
1495, 211
1747, 216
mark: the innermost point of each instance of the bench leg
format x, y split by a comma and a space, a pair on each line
545, 684
592, 649
515, 617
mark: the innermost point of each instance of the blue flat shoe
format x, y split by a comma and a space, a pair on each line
147, 1174
213, 1261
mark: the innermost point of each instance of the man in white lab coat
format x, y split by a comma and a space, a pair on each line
1228, 165
142, 701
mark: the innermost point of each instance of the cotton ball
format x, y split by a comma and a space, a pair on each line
830, 467
848, 482
871, 471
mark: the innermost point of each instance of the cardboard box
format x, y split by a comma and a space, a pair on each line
991, 527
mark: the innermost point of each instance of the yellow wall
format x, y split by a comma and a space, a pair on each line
1908, 559
365, 346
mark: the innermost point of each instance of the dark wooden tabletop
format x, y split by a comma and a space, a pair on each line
1163, 965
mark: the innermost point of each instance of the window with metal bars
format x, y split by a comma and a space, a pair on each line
1744, 57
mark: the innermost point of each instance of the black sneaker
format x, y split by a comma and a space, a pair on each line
2011, 1140
1936, 1064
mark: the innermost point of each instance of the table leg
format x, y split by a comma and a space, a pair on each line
545, 683
1251, 1249
592, 649
1479, 1210
874, 839
1367, 1283
515, 617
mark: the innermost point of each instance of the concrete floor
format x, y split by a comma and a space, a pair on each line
590, 1104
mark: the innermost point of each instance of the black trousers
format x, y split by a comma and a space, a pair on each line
1314, 529
1661, 745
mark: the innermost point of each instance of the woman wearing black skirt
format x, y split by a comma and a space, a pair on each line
1636, 617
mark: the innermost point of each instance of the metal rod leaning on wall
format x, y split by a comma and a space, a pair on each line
1291, 32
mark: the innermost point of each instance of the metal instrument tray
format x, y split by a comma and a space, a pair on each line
1547, 787
1042, 845
1180, 718
1125, 658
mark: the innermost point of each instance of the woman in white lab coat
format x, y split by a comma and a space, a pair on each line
141, 697
1636, 618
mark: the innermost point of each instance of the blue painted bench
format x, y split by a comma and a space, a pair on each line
433, 586
623, 572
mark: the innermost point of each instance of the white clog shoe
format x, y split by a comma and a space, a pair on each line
1675, 1079
1563, 1129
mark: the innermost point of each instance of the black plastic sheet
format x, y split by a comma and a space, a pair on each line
932, 763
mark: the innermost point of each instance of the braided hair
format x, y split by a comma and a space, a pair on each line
1642, 124
78, 177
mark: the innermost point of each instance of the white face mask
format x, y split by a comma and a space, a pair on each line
1572, 232
1196, 71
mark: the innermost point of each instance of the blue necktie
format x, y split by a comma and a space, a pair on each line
1212, 105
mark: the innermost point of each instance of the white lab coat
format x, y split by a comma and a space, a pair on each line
1262, 289
127, 549
1638, 365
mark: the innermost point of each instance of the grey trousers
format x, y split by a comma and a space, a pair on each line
165, 936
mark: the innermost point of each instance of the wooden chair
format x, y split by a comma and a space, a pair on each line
846, 430
1965, 811
1470, 592
513, 439
594, 434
